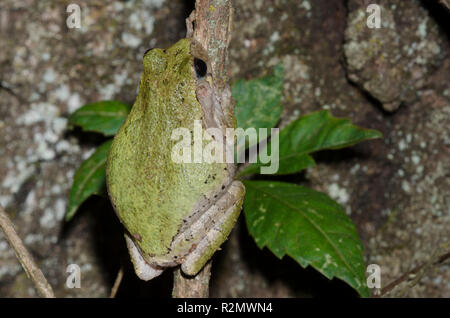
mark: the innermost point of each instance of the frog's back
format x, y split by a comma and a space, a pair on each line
153, 195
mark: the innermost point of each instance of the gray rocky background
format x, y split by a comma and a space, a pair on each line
396, 80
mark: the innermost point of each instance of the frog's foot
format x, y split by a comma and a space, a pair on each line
232, 200
143, 270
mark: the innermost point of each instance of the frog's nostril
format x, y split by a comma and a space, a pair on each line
200, 68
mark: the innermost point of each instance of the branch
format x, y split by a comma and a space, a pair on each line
192, 287
416, 274
445, 3
213, 21
213, 31
31, 269
117, 282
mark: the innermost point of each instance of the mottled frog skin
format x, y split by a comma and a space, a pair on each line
173, 213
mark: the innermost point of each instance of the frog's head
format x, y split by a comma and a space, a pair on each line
184, 61
179, 81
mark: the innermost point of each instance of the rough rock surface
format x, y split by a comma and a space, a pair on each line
395, 189
392, 62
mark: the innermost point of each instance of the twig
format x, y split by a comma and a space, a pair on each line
9, 90
31, 269
445, 3
416, 274
117, 282
192, 287
213, 31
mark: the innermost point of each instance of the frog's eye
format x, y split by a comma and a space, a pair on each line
200, 68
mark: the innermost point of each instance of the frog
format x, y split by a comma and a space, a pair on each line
173, 213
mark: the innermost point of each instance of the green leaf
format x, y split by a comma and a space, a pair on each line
309, 227
104, 117
258, 101
89, 179
310, 133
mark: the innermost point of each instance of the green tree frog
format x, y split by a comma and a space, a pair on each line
173, 213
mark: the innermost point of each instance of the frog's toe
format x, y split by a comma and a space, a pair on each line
195, 260
143, 270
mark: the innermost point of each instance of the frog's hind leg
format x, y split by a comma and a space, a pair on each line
143, 270
219, 232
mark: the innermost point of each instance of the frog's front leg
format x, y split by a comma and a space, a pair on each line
224, 213
143, 270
